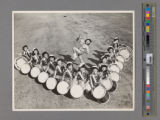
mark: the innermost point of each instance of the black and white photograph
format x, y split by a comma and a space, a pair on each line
73, 61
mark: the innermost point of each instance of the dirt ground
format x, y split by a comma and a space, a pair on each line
56, 33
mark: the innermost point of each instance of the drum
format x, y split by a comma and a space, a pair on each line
76, 91
99, 92
114, 76
51, 83
120, 58
62, 87
119, 64
114, 87
107, 83
35, 71
125, 52
42, 77
113, 68
25, 68
19, 62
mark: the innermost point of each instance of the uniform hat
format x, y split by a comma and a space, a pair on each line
94, 67
52, 56
110, 47
116, 39
103, 65
68, 64
82, 65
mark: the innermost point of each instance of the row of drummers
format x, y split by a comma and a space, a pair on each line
64, 78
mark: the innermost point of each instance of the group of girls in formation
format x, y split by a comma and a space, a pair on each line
56, 74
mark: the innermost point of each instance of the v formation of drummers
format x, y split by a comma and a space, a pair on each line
97, 83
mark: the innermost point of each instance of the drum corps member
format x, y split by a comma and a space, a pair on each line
35, 58
44, 61
51, 65
83, 49
26, 52
58, 73
81, 76
68, 73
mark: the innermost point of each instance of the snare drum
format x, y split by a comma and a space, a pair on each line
107, 83
119, 64
99, 92
62, 87
19, 62
76, 91
125, 53
51, 83
25, 68
35, 71
113, 68
120, 58
114, 76
42, 77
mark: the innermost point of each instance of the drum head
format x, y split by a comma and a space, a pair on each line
107, 84
25, 68
51, 83
99, 92
20, 62
62, 87
120, 59
114, 68
125, 53
119, 64
76, 91
114, 76
43, 76
35, 71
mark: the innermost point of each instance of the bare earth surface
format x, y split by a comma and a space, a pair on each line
56, 34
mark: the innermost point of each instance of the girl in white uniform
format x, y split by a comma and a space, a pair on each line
83, 49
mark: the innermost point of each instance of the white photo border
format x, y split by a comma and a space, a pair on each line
81, 11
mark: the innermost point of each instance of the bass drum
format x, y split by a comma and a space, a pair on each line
113, 68
107, 83
35, 71
62, 88
51, 83
125, 52
76, 91
42, 77
114, 76
25, 68
98, 92
19, 62
119, 64
114, 86
120, 58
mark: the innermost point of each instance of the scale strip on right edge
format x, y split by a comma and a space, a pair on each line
149, 59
